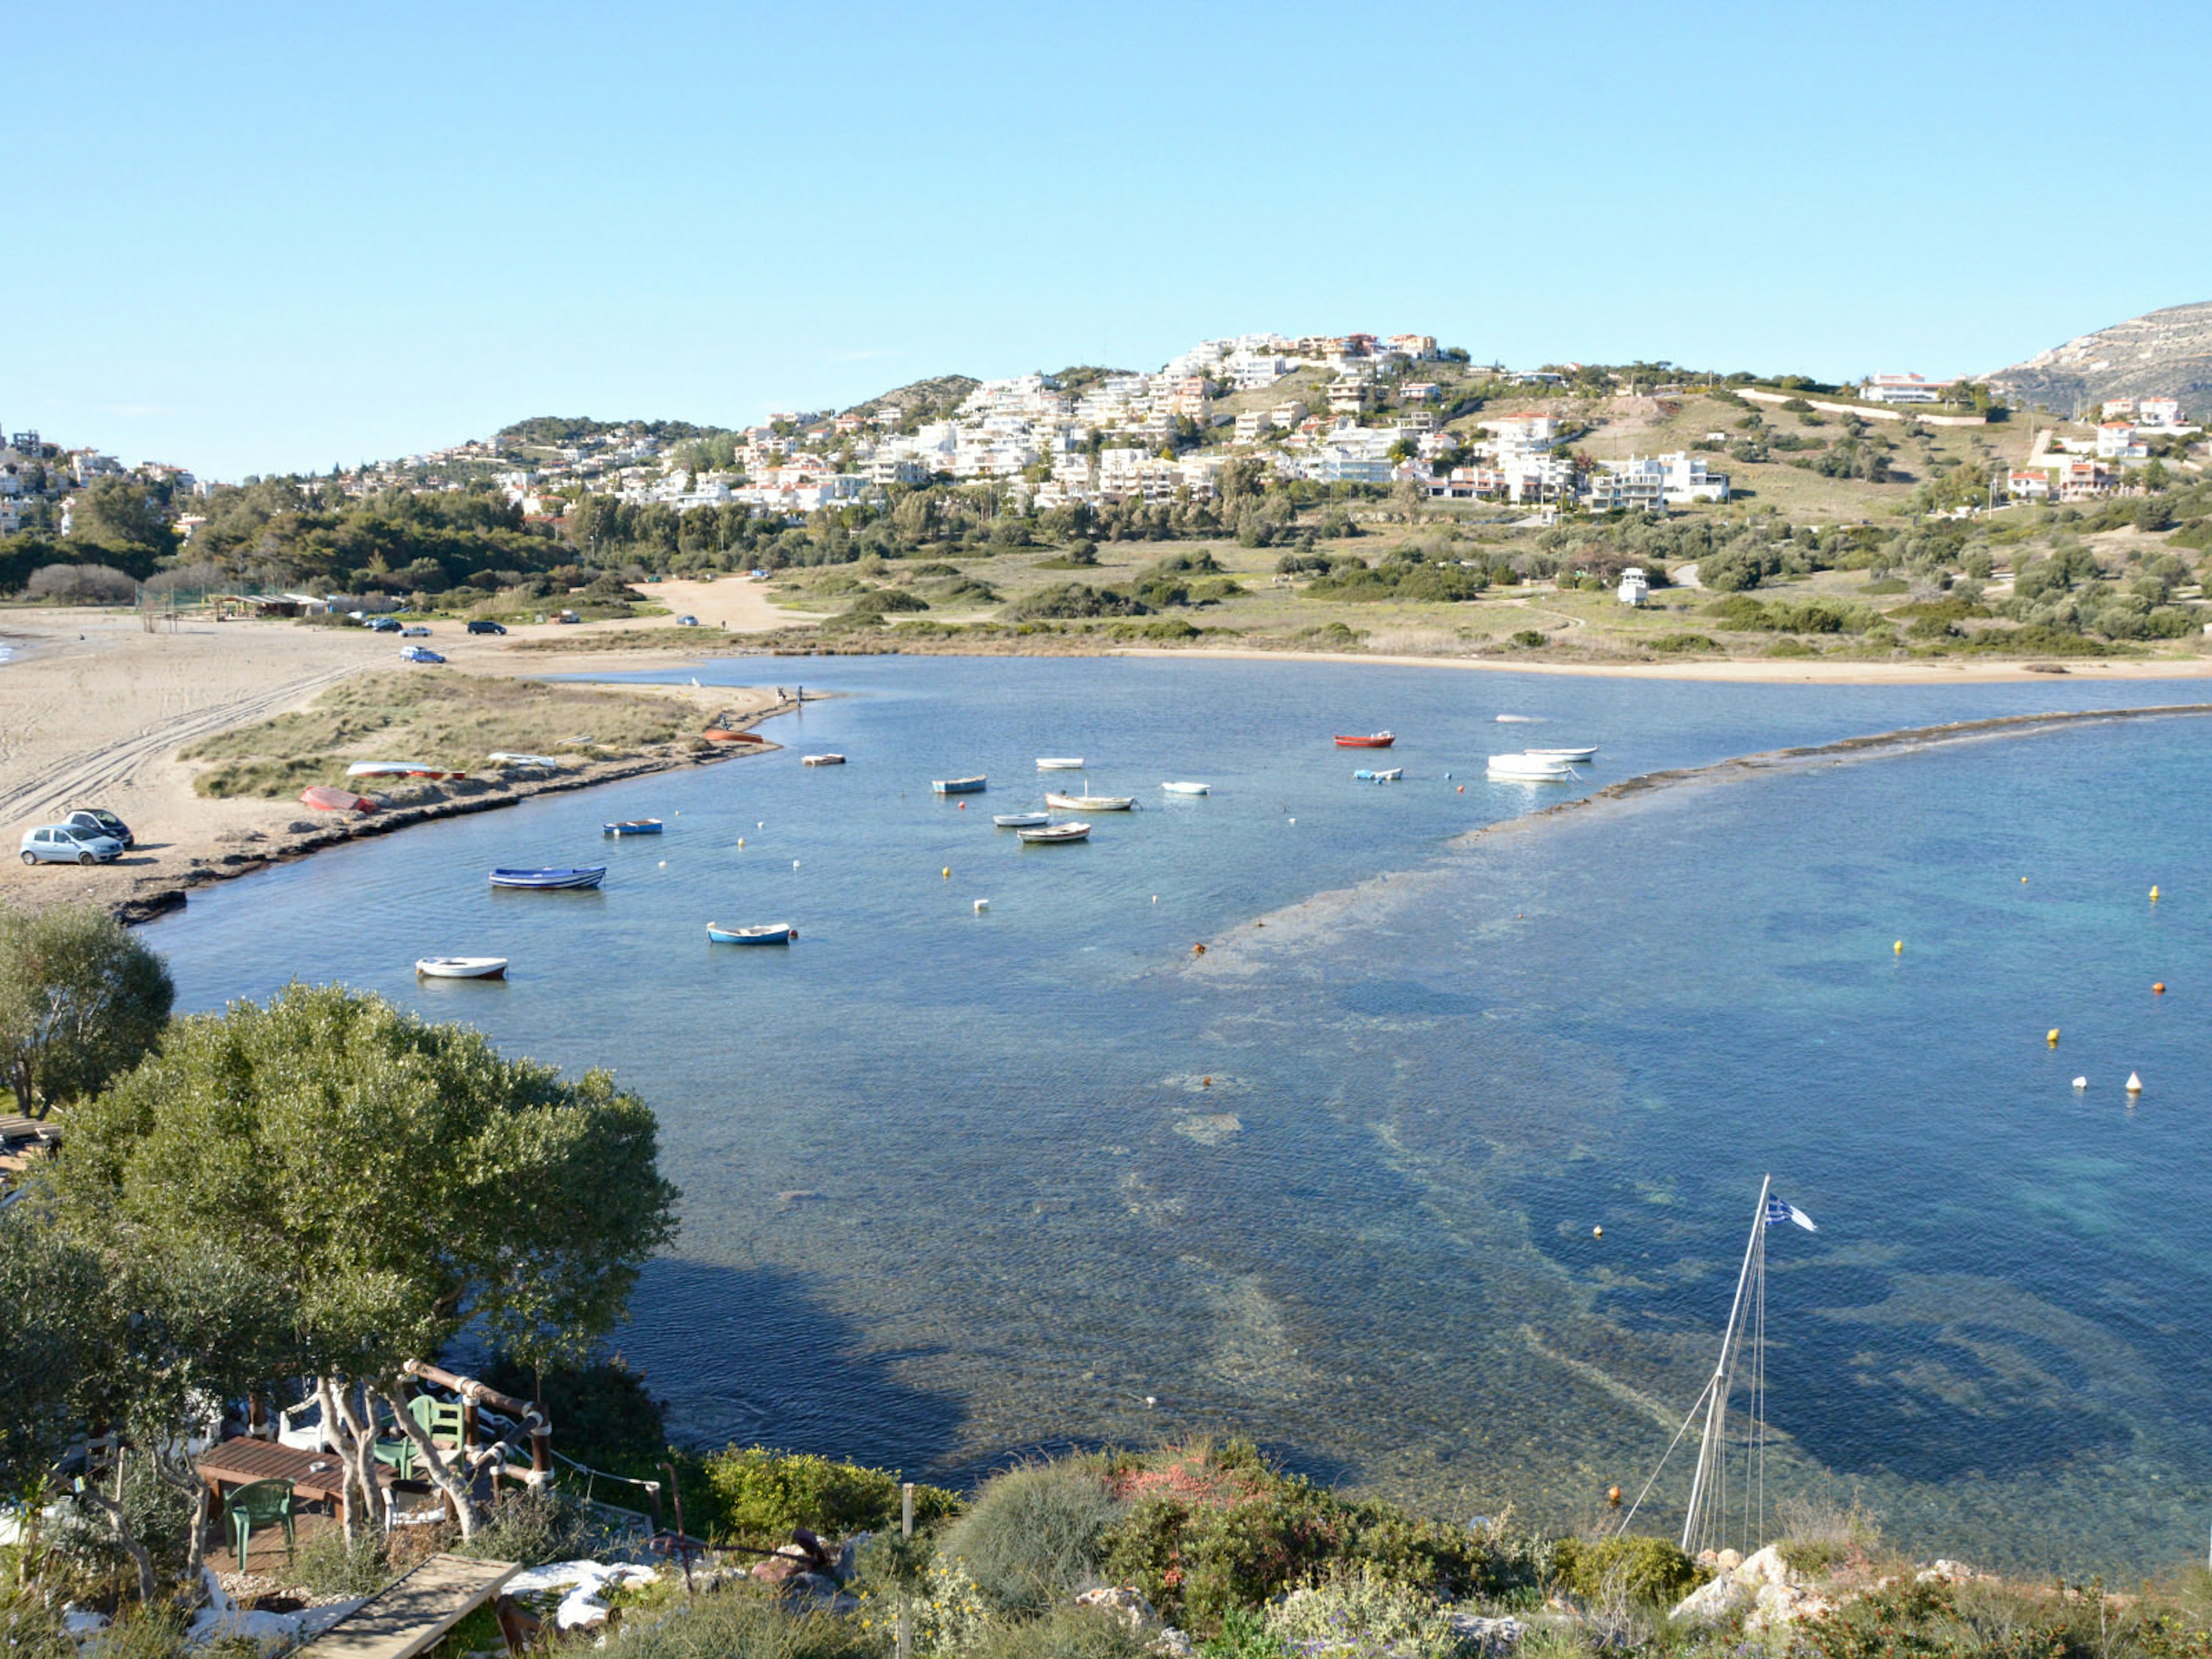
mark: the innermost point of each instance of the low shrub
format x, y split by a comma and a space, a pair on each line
1074, 599
1649, 1569
1529, 638
1033, 1536
1677, 643
1065, 1632
750, 1624
329, 1565
1356, 1614
533, 1528
755, 1496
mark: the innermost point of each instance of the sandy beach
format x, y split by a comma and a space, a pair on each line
1784, 671
94, 709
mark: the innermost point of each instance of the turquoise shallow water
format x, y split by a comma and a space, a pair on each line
958, 1186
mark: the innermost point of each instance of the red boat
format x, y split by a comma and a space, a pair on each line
1375, 740
324, 798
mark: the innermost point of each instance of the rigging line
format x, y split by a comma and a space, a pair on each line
1760, 1376
1669, 1453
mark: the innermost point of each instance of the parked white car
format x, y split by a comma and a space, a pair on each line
57, 843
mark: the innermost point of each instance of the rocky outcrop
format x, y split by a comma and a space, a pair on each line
1763, 1587
1131, 1606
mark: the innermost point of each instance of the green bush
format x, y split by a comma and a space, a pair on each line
1073, 599
886, 601
1529, 638
749, 1624
755, 1495
1651, 1570
533, 1528
1677, 643
327, 1565
1065, 1632
603, 1413
1032, 1536
1210, 1529
1357, 1614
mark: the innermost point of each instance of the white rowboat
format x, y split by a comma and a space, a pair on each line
1564, 754
1091, 803
1021, 820
1187, 789
1054, 832
1530, 768
1060, 763
462, 967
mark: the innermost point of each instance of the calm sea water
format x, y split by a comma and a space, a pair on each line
959, 1185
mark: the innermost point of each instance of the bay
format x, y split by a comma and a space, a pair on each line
960, 1186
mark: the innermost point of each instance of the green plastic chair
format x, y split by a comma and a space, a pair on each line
397, 1453
440, 1419
265, 1502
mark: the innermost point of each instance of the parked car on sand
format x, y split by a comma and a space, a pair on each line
419, 654
56, 843
382, 625
418, 632
483, 626
99, 821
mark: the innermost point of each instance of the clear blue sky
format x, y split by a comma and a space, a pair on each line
258, 238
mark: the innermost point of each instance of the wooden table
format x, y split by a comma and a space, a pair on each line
242, 1461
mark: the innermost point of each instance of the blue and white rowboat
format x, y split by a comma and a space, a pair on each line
589, 875
632, 827
959, 786
780, 933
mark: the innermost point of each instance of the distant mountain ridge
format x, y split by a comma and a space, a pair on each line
2161, 354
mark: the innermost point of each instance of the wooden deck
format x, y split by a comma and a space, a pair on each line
401, 1619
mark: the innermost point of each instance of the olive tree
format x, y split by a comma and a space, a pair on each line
399, 1181
81, 1001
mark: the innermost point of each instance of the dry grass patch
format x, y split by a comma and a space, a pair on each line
439, 717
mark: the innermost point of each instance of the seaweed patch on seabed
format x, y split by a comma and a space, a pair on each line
1298, 924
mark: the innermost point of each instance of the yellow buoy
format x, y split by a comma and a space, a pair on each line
1597, 1232
2154, 895
741, 842
1899, 947
948, 873
2053, 1038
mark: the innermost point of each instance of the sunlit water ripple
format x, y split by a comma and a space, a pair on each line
959, 1185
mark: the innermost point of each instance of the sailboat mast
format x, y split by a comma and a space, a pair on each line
1716, 1395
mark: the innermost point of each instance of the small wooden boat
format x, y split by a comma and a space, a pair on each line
461, 967
508, 758
959, 786
324, 798
1091, 803
716, 734
398, 769
822, 760
1187, 789
1021, 820
778, 932
633, 827
1564, 754
1060, 763
1373, 740
1053, 834
551, 878
1391, 775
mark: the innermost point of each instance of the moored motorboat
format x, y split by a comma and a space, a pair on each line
1053, 834
461, 967
1565, 754
1091, 803
1530, 768
959, 786
324, 798
775, 933
1373, 740
1021, 820
633, 827
822, 760
1187, 789
1060, 763
549, 878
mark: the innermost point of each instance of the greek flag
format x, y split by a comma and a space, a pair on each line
1777, 1212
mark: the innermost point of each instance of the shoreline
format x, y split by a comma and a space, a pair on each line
1297, 920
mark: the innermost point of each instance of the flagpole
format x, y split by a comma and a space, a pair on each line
1717, 1401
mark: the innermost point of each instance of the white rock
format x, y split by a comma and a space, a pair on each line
1491, 1635
1778, 1606
81, 1621
1125, 1602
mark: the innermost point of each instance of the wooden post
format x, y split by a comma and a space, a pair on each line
905, 1608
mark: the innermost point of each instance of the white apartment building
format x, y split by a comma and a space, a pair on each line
1688, 479
1531, 476
1523, 432
1251, 426
2027, 486
2117, 441
1637, 484
1255, 372
2160, 414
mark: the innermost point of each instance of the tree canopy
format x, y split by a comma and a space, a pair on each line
81, 1001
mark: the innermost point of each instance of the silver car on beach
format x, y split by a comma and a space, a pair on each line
59, 843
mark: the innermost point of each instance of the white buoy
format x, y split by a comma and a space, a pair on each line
794, 864
2135, 1083
663, 864
2081, 1082
982, 905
